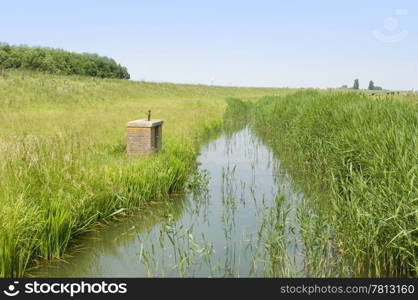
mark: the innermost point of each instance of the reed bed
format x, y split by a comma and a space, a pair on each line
358, 157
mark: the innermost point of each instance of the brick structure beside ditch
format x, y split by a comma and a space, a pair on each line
144, 137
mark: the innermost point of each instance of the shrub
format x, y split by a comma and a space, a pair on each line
57, 61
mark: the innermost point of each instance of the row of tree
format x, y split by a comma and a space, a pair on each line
372, 87
58, 61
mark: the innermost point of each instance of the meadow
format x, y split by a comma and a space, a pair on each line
63, 165
64, 168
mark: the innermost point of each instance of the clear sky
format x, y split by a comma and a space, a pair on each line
248, 43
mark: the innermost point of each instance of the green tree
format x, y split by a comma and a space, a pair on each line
371, 85
58, 61
356, 85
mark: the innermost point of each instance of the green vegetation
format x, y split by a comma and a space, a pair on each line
57, 61
358, 157
356, 84
62, 154
63, 166
373, 87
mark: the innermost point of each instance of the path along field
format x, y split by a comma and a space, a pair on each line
62, 154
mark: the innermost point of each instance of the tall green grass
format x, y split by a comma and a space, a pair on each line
63, 165
53, 190
359, 155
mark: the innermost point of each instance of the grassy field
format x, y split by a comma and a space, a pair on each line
62, 154
357, 157
63, 165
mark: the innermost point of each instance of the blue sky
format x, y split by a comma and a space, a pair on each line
247, 43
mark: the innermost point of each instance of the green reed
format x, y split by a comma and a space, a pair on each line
359, 156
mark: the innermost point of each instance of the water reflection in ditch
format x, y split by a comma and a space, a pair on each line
247, 221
